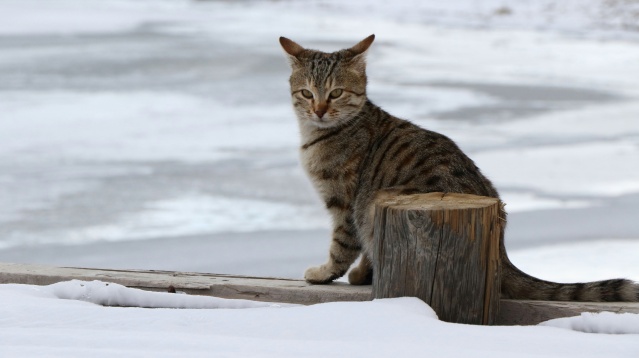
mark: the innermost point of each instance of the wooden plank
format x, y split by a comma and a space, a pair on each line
528, 312
225, 286
442, 248
279, 290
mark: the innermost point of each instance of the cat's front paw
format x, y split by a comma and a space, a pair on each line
319, 275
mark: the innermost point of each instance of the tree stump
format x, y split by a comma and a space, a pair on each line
441, 248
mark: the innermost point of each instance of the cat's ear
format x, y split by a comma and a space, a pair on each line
362, 46
358, 61
292, 49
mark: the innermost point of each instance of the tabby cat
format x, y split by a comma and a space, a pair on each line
352, 149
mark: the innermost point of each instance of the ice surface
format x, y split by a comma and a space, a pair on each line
192, 215
169, 121
157, 101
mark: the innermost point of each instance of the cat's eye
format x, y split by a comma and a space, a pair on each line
307, 94
336, 93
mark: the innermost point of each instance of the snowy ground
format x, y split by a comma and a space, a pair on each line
61, 321
158, 134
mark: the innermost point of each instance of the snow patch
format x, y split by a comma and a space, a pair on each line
580, 261
521, 201
602, 322
36, 323
113, 294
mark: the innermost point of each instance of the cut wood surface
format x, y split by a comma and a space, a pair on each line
441, 248
278, 290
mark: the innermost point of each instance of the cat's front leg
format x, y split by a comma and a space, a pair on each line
362, 274
343, 251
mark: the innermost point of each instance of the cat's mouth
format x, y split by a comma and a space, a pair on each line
323, 122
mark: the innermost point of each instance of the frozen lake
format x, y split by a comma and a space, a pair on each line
159, 134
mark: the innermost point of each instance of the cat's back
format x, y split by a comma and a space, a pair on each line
378, 151
406, 155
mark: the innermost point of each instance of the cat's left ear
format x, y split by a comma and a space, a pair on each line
358, 61
362, 46
292, 49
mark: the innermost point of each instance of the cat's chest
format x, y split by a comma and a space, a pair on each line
333, 169
322, 163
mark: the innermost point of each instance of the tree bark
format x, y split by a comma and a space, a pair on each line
441, 248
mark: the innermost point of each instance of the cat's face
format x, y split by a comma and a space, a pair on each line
327, 89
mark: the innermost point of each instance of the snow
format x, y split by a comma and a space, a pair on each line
579, 262
599, 18
602, 322
68, 17
112, 294
36, 322
158, 134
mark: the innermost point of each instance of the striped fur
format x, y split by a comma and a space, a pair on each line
351, 149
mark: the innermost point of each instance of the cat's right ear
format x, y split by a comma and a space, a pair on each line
292, 49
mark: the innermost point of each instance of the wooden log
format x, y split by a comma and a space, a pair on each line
441, 248
512, 312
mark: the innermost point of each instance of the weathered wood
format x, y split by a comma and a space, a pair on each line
225, 286
278, 290
527, 312
441, 248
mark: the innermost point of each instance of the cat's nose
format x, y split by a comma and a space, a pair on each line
320, 112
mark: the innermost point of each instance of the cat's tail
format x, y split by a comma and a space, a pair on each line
516, 284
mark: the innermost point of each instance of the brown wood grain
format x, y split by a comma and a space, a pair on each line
442, 248
225, 286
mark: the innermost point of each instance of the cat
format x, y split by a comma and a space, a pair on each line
351, 149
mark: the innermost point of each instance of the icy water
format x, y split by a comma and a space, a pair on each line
168, 142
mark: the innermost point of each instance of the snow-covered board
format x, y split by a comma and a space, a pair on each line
512, 312
226, 286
